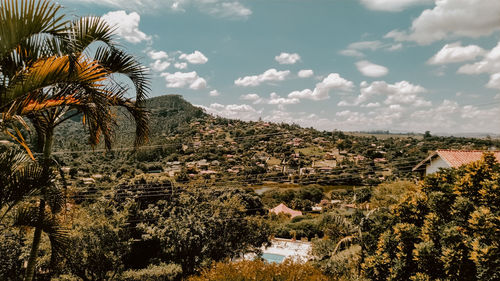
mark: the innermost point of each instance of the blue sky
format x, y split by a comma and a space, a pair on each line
399, 65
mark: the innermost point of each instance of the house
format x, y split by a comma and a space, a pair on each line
450, 159
282, 208
316, 208
88, 181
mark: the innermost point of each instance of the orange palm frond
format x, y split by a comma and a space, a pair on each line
34, 105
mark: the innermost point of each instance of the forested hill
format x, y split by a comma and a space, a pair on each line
171, 111
167, 114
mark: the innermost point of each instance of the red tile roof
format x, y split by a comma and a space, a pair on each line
282, 208
457, 158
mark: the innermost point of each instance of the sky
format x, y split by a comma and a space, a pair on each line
355, 65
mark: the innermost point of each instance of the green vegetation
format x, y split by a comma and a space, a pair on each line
183, 207
447, 229
258, 270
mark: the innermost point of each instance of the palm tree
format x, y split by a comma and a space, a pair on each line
20, 177
49, 76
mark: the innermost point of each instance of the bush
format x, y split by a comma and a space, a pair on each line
259, 270
161, 272
343, 265
10, 252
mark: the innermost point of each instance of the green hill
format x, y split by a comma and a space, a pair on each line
168, 115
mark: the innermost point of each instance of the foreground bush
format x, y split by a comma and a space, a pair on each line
446, 229
162, 272
261, 271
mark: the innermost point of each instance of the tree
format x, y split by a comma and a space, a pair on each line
447, 228
49, 79
192, 228
99, 241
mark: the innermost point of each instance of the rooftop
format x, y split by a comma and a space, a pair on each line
457, 158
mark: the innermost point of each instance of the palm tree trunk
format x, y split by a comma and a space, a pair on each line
30, 268
47, 151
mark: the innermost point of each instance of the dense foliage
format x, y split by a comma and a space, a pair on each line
259, 270
195, 227
447, 229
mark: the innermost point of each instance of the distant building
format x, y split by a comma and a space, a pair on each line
282, 208
450, 159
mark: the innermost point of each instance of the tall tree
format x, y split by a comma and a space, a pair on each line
48, 76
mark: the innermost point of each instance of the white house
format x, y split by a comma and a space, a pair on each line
450, 159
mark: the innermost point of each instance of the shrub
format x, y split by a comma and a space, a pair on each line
259, 270
161, 272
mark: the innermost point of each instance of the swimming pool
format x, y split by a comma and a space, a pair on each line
273, 257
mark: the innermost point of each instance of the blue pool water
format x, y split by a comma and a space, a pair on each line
273, 257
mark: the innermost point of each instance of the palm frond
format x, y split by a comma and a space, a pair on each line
118, 62
85, 31
58, 235
141, 117
49, 72
346, 242
21, 19
20, 177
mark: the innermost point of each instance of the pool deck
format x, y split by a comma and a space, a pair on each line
296, 250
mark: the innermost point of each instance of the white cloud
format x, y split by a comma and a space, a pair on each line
365, 45
180, 65
452, 53
395, 47
254, 98
354, 49
127, 26
234, 111
352, 53
250, 97
322, 89
157, 55
372, 104
494, 81
286, 58
402, 92
489, 64
452, 18
195, 58
184, 79
306, 94
276, 99
228, 10
392, 5
370, 69
305, 73
159, 65
130, 4
255, 80
214, 93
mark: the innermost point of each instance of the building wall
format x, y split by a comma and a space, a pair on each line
435, 164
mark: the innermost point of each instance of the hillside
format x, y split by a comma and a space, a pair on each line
188, 145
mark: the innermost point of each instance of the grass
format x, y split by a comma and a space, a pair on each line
273, 161
310, 151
